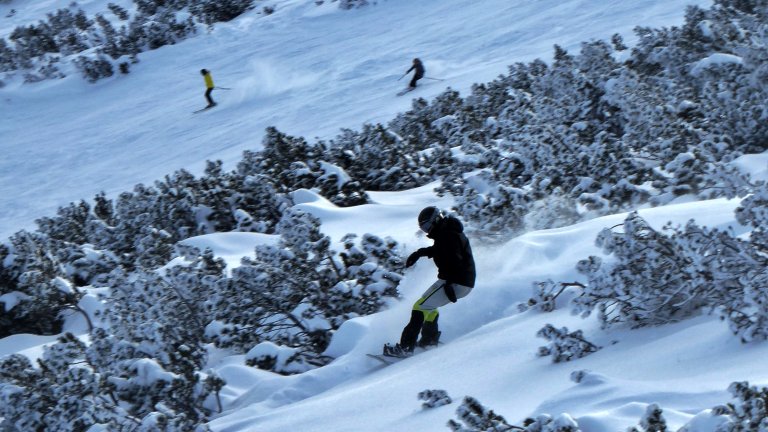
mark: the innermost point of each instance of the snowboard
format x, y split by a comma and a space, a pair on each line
388, 360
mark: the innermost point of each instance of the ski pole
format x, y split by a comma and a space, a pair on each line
223, 88
402, 76
435, 79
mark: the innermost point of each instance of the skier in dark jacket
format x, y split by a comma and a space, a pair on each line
455, 279
418, 73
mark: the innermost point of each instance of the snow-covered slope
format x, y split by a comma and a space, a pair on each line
305, 69
490, 350
309, 71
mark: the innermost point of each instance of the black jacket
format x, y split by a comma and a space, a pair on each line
452, 253
419, 70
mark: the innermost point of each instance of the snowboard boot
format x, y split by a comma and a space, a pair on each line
429, 334
397, 351
427, 343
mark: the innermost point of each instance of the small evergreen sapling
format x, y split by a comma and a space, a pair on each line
477, 418
750, 411
564, 346
545, 294
434, 398
652, 421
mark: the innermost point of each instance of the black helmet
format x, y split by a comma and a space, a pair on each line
203, 71
429, 217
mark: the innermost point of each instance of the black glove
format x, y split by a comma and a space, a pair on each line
412, 258
450, 292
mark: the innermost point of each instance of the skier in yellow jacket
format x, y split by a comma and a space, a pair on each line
209, 87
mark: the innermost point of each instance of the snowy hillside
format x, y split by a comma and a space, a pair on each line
490, 350
307, 70
311, 70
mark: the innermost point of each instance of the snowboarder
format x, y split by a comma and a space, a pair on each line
455, 279
418, 73
209, 87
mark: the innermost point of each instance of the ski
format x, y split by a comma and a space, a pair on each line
203, 109
406, 90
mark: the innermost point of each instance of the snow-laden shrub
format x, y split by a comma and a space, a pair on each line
653, 279
296, 293
750, 410
477, 418
652, 420
94, 69
73, 390
747, 413
545, 423
545, 294
656, 278
564, 345
352, 4
210, 12
280, 359
434, 398
492, 210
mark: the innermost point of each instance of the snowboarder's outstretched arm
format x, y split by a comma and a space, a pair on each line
412, 258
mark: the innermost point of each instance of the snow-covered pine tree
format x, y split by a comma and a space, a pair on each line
352, 4
416, 126
119, 11
652, 420
745, 306
657, 278
270, 298
153, 351
33, 285
62, 394
649, 284
258, 206
338, 186
379, 158
292, 163
368, 274
8, 57
545, 423
477, 418
750, 410
194, 280
94, 68
296, 293
434, 398
213, 11
280, 151
753, 212
493, 210
69, 225
700, 172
